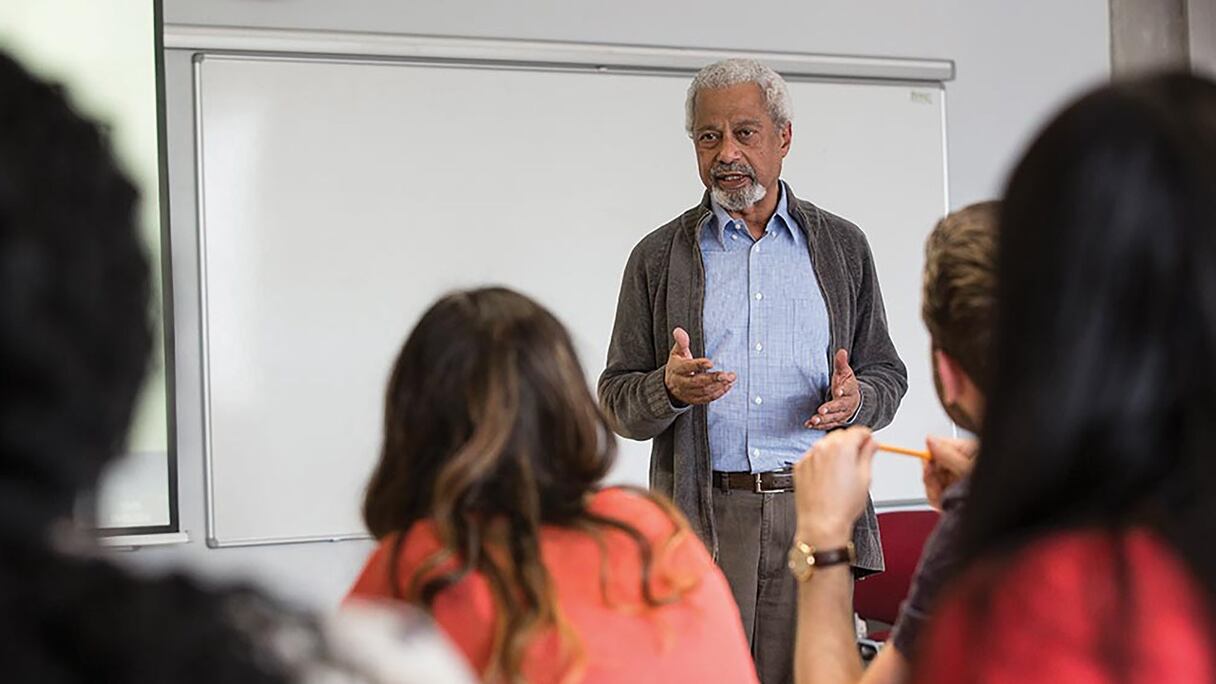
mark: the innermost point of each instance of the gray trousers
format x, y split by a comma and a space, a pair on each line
755, 532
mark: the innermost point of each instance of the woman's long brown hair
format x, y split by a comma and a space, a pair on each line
490, 432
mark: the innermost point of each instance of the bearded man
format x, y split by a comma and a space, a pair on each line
746, 328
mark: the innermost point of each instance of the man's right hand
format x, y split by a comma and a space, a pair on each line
689, 380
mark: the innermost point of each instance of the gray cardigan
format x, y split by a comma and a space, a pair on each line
664, 287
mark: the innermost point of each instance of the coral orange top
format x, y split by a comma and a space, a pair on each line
697, 638
1058, 611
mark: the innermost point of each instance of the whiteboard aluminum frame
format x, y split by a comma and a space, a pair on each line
204, 314
134, 542
604, 56
309, 46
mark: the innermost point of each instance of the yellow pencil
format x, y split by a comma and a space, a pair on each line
922, 455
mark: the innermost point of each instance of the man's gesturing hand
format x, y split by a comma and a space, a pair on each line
689, 380
844, 398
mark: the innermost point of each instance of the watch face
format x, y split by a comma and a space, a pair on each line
801, 563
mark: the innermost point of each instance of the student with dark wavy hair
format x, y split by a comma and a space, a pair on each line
490, 512
1089, 527
75, 338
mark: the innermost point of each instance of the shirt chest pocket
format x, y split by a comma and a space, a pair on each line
727, 305
809, 341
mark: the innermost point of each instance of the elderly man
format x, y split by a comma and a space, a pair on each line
746, 328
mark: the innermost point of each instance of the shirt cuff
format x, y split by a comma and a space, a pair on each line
861, 398
677, 409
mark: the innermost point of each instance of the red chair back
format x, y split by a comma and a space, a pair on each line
903, 538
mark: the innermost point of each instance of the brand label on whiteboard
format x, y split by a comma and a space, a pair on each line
921, 97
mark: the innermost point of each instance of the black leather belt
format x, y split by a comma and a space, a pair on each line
772, 482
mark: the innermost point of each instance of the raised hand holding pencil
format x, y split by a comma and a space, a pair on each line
950, 461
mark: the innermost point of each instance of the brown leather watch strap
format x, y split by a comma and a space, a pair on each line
804, 559
844, 554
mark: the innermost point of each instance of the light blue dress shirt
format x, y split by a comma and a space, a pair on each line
765, 320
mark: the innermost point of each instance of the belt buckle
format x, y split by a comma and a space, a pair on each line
759, 486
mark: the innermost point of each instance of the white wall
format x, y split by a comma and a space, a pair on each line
1016, 60
1016, 63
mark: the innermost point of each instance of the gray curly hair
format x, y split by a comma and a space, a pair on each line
729, 72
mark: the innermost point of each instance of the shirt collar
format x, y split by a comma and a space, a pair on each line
783, 212
782, 215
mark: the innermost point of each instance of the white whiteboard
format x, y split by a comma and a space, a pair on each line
338, 199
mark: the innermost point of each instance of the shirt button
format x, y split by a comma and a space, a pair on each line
758, 400
759, 296
756, 453
734, 237
759, 347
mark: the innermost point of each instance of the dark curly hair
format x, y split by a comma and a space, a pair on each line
75, 338
74, 296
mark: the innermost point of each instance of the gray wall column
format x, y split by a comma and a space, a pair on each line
1201, 14
1147, 35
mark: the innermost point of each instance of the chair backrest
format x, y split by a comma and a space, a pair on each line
903, 538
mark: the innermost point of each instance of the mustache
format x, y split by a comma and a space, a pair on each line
720, 170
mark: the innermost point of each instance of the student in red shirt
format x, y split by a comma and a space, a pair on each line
1088, 534
488, 505
1094, 503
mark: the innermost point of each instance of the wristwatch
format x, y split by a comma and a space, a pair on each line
804, 558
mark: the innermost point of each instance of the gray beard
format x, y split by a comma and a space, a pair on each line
738, 200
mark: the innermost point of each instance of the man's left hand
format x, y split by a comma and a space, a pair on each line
845, 397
